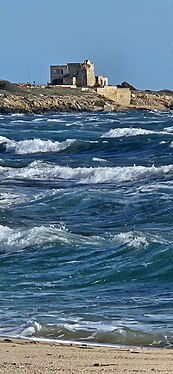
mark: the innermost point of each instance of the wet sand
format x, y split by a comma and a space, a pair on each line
19, 356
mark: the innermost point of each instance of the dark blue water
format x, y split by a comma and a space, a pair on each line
86, 227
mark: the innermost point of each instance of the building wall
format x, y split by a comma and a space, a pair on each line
68, 79
101, 81
83, 72
122, 96
85, 75
73, 68
90, 74
76, 70
57, 72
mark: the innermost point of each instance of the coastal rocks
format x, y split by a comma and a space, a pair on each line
38, 104
143, 100
13, 104
38, 100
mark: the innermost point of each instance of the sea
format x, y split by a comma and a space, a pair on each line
86, 228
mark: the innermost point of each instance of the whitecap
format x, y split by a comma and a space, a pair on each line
133, 131
127, 131
18, 121
168, 129
132, 239
55, 120
97, 159
17, 115
31, 329
137, 239
35, 145
21, 239
93, 175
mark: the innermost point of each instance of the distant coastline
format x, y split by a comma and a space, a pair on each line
41, 99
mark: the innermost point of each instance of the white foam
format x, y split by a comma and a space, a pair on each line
164, 188
126, 131
35, 145
7, 199
55, 120
138, 239
93, 175
133, 131
21, 239
18, 121
11, 198
31, 329
3, 139
132, 239
168, 129
98, 159
17, 115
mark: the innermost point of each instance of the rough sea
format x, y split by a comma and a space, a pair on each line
86, 227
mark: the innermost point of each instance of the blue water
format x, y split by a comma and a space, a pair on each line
86, 227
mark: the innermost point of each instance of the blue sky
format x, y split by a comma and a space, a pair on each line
126, 39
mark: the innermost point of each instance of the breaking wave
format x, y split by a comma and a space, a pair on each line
20, 239
133, 131
95, 333
34, 145
86, 227
91, 175
126, 131
23, 238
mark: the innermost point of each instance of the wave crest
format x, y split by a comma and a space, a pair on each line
91, 175
127, 131
35, 145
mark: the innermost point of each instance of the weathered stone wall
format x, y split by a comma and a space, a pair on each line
90, 74
122, 96
69, 80
73, 68
57, 72
101, 81
84, 73
77, 70
81, 78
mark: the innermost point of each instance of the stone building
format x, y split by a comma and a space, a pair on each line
121, 96
76, 74
101, 81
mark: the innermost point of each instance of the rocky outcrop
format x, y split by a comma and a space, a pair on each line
151, 100
14, 99
126, 85
36, 104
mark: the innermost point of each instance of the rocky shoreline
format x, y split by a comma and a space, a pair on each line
15, 99
35, 104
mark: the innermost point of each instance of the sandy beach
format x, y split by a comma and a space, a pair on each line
19, 356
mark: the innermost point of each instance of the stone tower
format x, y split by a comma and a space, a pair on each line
88, 67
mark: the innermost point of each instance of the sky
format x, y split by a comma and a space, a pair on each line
128, 40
